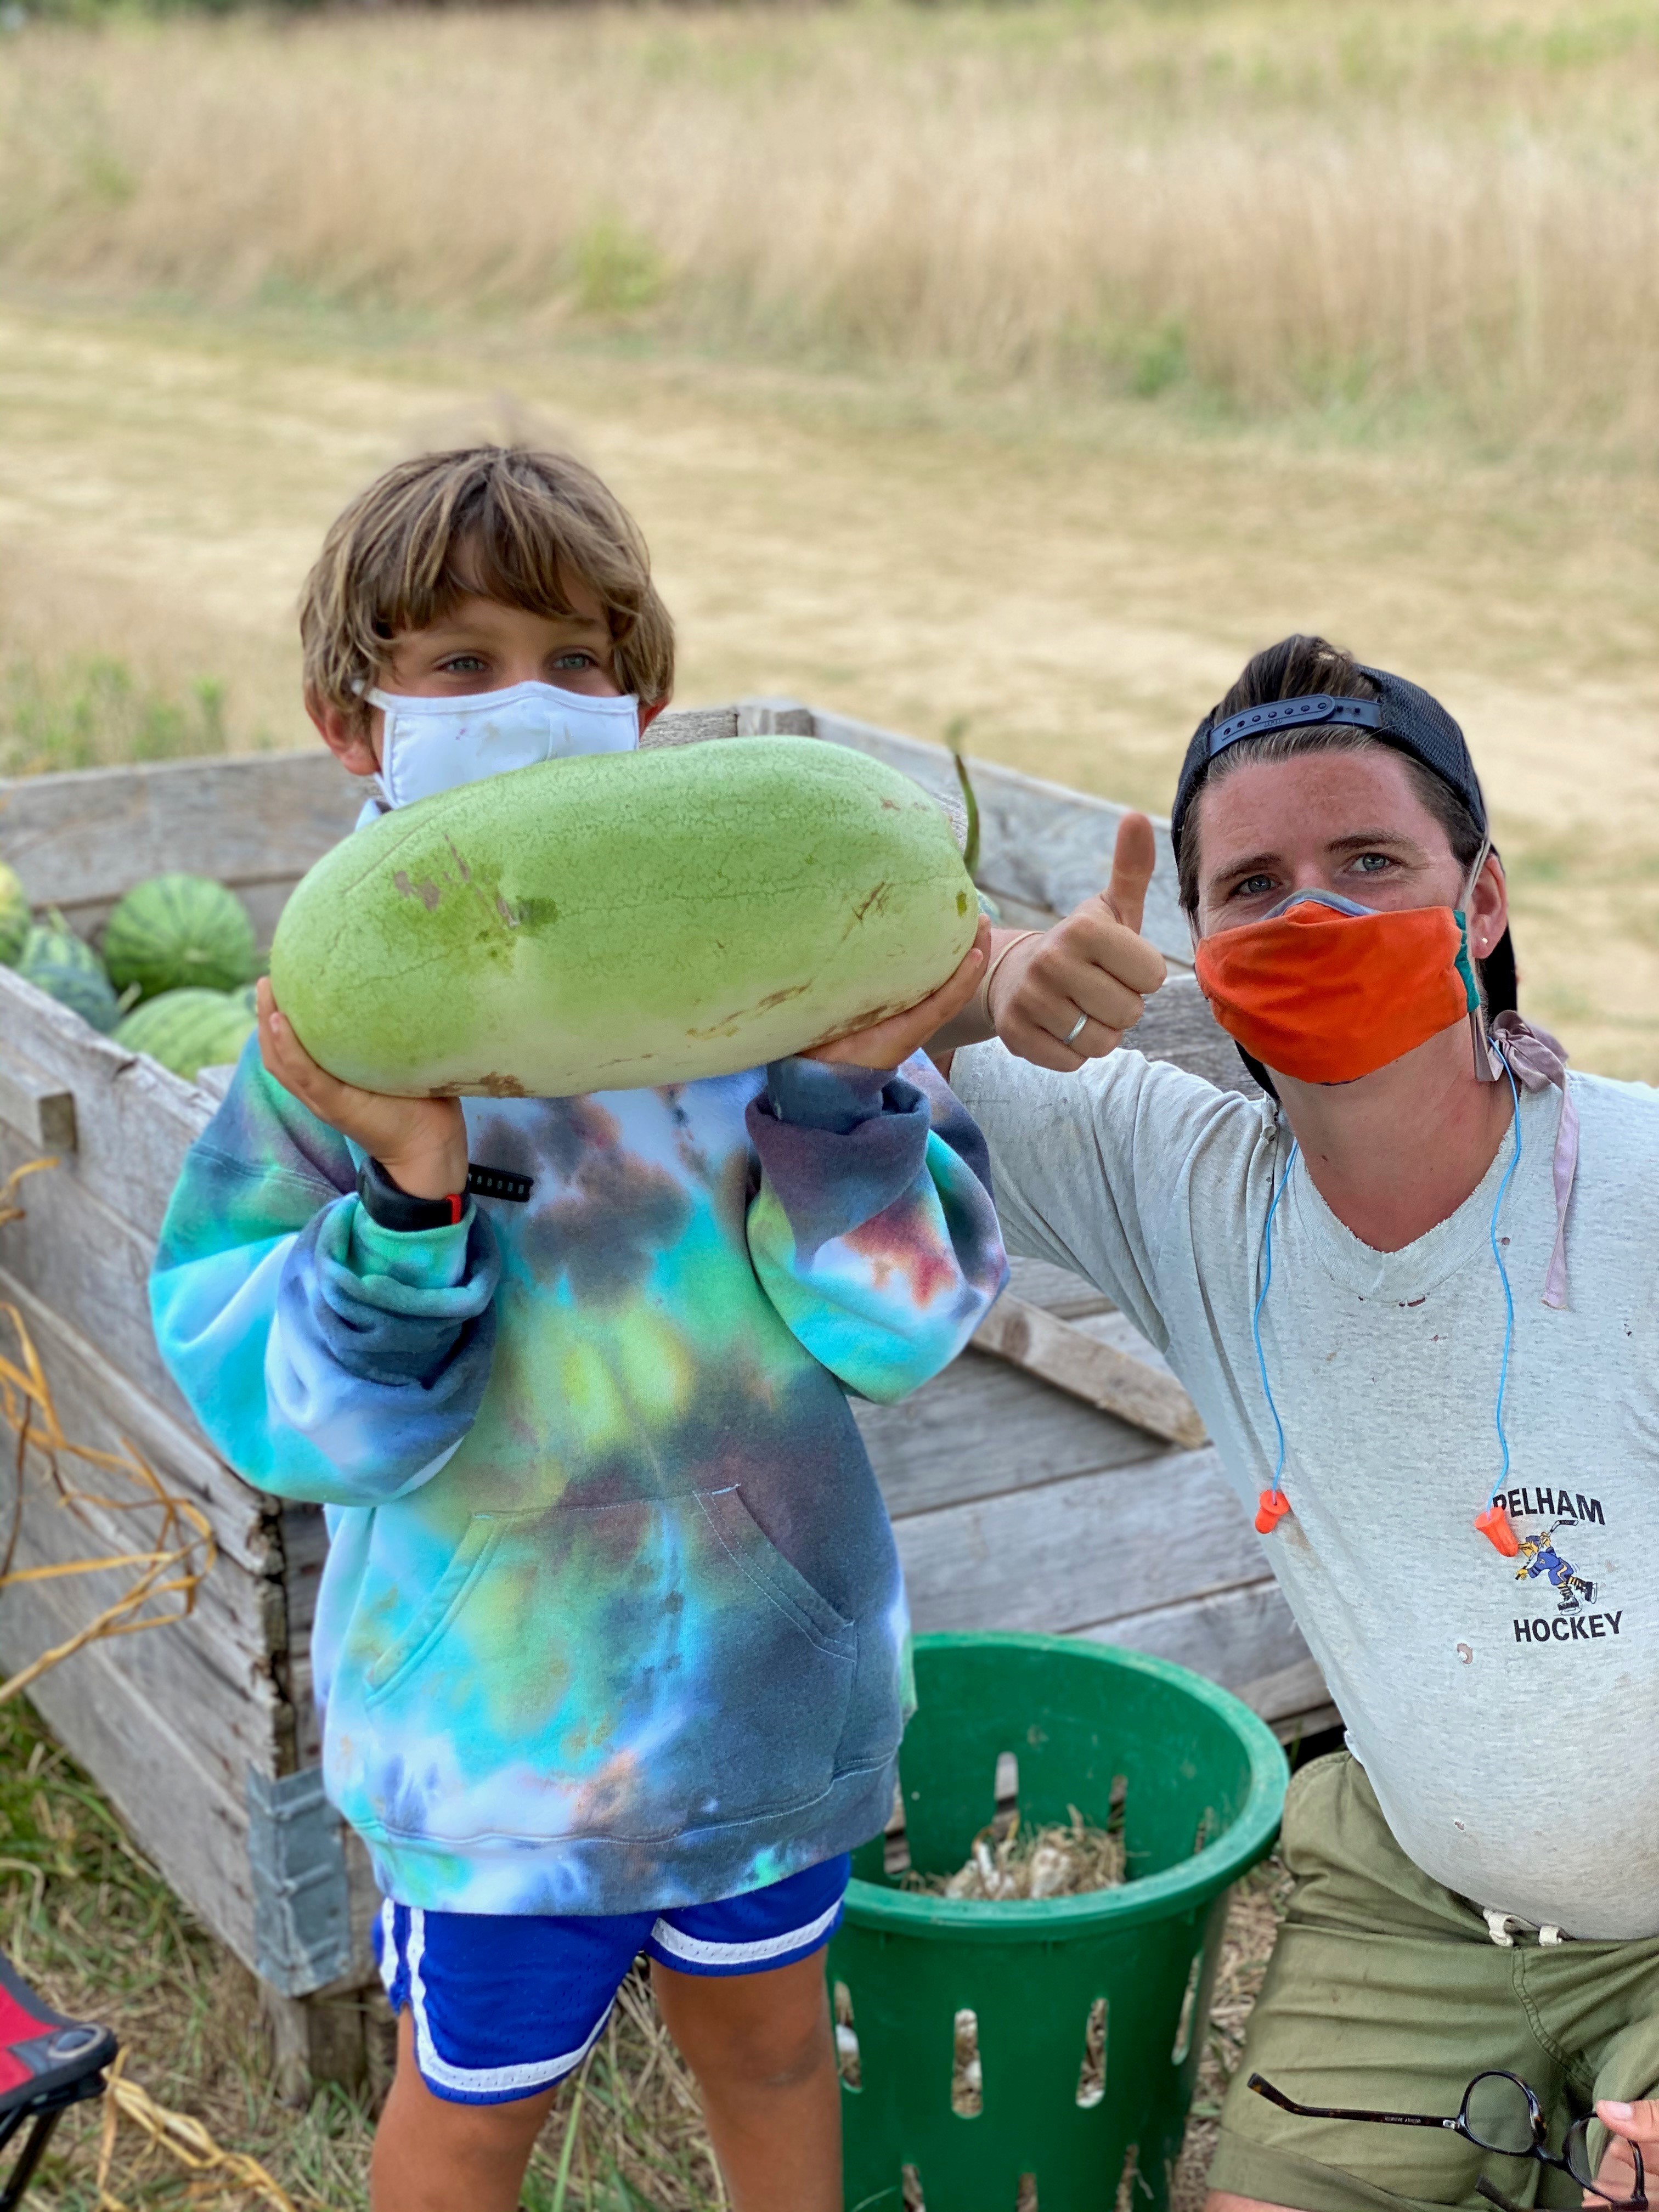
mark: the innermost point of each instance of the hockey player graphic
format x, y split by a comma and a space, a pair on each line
1540, 1557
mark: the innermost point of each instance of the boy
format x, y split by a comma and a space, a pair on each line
609, 1644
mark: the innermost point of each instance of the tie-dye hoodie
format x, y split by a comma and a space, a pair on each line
612, 1617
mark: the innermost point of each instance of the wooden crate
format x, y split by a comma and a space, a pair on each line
1018, 1502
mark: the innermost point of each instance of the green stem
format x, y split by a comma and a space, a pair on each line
561, 2180
970, 850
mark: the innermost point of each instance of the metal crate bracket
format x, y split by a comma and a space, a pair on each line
296, 1851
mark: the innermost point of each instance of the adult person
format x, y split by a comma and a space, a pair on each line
1411, 1291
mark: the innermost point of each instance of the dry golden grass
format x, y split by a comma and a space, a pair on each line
1356, 206
93, 1926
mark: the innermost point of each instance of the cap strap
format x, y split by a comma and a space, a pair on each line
1293, 714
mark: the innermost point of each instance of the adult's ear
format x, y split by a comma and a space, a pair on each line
354, 742
1489, 906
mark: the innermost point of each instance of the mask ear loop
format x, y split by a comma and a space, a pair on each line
1493, 1521
1272, 1504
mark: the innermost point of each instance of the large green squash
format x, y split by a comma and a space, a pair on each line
624, 919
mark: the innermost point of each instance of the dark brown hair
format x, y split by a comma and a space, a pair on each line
504, 521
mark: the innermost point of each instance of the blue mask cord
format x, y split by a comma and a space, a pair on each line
1256, 1317
1502, 1484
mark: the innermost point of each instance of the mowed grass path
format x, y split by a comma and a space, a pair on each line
1073, 593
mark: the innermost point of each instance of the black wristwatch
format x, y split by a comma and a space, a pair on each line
392, 1208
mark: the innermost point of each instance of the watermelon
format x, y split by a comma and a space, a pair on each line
188, 1030
623, 919
15, 920
54, 959
171, 933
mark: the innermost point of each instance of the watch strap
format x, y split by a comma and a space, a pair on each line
391, 1208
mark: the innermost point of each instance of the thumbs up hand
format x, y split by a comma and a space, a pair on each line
1095, 967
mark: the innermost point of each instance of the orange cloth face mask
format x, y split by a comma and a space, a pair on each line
1327, 993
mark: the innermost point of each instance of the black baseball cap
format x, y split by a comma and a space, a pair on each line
1402, 715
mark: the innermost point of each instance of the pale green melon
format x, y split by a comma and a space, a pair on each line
13, 916
178, 932
622, 919
188, 1030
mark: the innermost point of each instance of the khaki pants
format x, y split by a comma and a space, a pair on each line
1386, 1992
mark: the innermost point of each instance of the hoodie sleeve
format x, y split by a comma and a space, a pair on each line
872, 1230
327, 1358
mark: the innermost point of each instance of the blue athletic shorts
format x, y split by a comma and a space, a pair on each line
506, 2004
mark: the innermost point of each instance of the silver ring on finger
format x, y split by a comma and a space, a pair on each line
1076, 1030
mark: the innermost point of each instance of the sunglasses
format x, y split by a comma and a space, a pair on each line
1499, 2113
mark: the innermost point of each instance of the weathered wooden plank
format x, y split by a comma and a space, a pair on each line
982, 1428
1117, 1331
1056, 1290
1178, 1026
36, 1105
100, 1406
149, 1760
1243, 1638
691, 725
239, 1618
1093, 1548
1298, 1693
83, 865
305, 1548
92, 1267
91, 834
208, 1670
1101, 1374
1038, 841
134, 1121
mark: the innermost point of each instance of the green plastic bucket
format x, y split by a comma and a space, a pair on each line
1197, 1782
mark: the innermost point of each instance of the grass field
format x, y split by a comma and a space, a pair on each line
1008, 372
1012, 371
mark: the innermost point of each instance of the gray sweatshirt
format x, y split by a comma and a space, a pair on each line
1506, 1711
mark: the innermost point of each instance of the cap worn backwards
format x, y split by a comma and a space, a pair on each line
1402, 715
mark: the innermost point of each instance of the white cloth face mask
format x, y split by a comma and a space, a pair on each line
438, 744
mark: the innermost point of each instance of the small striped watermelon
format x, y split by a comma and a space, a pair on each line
55, 960
175, 933
188, 1030
13, 916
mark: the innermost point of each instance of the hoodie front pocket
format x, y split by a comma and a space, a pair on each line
437, 1610
629, 1671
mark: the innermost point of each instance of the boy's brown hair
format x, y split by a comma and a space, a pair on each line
502, 522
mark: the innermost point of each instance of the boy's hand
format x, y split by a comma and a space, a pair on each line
1094, 963
420, 1142
885, 1043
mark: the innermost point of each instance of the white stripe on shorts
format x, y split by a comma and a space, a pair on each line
478, 2080
702, 1953
388, 1944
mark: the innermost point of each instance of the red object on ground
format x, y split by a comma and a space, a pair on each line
1494, 1525
1271, 1508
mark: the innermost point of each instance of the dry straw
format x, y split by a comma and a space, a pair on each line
165, 1574
1438, 204
186, 2141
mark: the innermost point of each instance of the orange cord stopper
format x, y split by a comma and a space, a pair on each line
1270, 1510
1494, 1525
